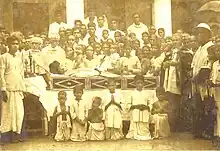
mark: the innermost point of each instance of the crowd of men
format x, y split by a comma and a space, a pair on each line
180, 61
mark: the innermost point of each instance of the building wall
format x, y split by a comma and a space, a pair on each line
183, 11
17, 13
184, 14
121, 10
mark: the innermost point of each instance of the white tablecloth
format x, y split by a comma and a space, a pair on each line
48, 98
35, 85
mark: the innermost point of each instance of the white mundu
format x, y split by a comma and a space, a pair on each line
11, 80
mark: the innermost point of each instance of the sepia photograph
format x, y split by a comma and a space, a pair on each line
109, 75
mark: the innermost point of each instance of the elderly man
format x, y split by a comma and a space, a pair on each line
35, 53
12, 87
53, 52
172, 81
200, 60
137, 27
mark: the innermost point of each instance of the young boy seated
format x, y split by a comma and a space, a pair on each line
160, 116
95, 119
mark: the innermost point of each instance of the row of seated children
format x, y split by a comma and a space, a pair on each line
104, 120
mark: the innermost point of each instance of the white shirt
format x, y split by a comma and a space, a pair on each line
138, 98
200, 58
11, 73
55, 27
138, 30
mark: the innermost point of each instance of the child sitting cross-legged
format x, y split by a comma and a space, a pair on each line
160, 116
95, 119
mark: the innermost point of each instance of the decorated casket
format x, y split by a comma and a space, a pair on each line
91, 79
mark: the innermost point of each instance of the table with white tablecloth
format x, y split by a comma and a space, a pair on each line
94, 86
48, 98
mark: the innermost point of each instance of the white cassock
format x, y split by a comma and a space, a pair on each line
113, 117
139, 127
11, 80
200, 60
55, 27
138, 30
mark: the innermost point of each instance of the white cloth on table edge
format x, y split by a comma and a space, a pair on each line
49, 100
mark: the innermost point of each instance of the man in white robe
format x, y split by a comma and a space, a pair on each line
140, 112
200, 60
137, 27
55, 26
113, 113
12, 87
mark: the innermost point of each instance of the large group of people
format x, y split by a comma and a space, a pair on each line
187, 64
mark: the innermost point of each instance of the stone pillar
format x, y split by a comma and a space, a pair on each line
163, 18
74, 11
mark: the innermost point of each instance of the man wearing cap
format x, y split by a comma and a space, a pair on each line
200, 60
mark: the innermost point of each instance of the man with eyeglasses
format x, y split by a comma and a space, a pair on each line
137, 27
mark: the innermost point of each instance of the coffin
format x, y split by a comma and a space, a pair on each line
99, 82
